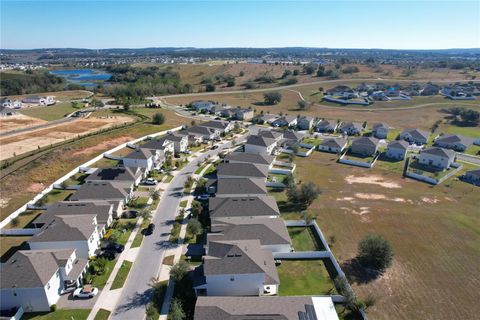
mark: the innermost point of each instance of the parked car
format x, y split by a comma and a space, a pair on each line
118, 248
108, 254
85, 292
150, 181
203, 197
150, 229
130, 214
214, 147
187, 151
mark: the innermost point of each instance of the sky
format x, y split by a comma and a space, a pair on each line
389, 24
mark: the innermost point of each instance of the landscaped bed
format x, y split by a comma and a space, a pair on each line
304, 277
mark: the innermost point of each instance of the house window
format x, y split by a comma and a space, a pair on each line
232, 278
48, 286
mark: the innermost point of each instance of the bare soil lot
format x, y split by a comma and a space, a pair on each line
434, 231
28, 141
18, 121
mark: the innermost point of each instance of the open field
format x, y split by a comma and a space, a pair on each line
18, 121
434, 232
49, 113
60, 95
31, 178
32, 140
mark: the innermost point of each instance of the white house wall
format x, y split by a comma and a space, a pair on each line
243, 284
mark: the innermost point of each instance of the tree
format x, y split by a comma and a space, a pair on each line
210, 87
114, 236
309, 68
286, 73
146, 214
272, 98
303, 195
303, 105
158, 118
197, 208
179, 270
296, 72
470, 116
74, 104
176, 310
241, 74
289, 181
375, 252
231, 83
308, 217
321, 71
155, 195
97, 103
194, 227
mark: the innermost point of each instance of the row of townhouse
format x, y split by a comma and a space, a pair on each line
267, 141
211, 107
69, 232
238, 277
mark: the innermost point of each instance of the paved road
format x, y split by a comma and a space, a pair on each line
468, 158
136, 293
40, 126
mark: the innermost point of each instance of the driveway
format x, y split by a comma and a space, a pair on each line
67, 302
136, 293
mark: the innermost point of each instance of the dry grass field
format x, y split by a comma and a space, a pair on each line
434, 231
18, 121
31, 140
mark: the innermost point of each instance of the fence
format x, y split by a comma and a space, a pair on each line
40, 195
433, 181
358, 163
19, 232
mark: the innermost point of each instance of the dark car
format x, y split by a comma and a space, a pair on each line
150, 229
130, 214
214, 147
108, 254
118, 248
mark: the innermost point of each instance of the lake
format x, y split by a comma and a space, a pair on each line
83, 77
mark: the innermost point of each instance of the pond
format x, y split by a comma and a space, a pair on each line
84, 77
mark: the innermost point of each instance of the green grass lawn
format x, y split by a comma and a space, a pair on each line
100, 280
304, 277
199, 169
63, 314
122, 275
473, 131
428, 171
278, 177
126, 225
105, 163
313, 141
303, 239
168, 178
76, 179
24, 219
56, 195
102, 314
49, 113
473, 150
139, 203
183, 203
358, 157
390, 165
137, 241
11, 244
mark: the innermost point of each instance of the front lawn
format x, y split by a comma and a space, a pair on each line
304, 277
122, 275
99, 280
70, 314
303, 239
125, 226
102, 314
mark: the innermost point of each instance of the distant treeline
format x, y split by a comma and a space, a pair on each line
136, 83
29, 82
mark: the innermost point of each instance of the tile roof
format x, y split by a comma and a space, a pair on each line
243, 207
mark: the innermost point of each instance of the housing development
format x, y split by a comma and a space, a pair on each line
228, 160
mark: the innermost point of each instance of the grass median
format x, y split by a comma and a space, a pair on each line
122, 275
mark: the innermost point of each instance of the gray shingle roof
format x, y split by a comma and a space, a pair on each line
253, 308
270, 231
293, 135
272, 134
66, 228
140, 153
260, 141
32, 268
217, 124
158, 144
439, 152
398, 144
351, 125
100, 191
379, 125
417, 133
243, 207
365, 141
242, 170
240, 257
201, 130
475, 172
115, 174
250, 158
334, 142
101, 209
455, 138
240, 186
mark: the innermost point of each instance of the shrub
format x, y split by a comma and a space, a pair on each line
272, 98
53, 307
179, 270
375, 252
158, 118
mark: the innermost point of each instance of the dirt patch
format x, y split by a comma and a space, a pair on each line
18, 121
429, 200
372, 180
375, 196
103, 145
4, 202
35, 187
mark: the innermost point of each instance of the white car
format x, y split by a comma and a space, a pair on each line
151, 181
85, 292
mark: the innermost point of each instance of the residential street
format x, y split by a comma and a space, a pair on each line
136, 293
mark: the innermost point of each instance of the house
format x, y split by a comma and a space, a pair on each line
326, 126
226, 112
237, 268
266, 118
35, 279
243, 114
114, 193
201, 133
143, 158
397, 149
430, 90
265, 308
272, 233
415, 136
334, 145
242, 170
380, 130
68, 231
260, 145
271, 134
291, 138
454, 141
237, 187
202, 106
7, 111
379, 96
245, 157
169, 143
437, 157
473, 176
10, 103
44, 101
285, 121
350, 128
127, 175
339, 90
367, 146
258, 207
102, 209
304, 123
220, 125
